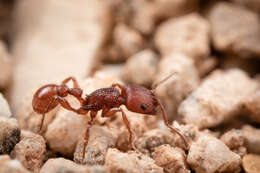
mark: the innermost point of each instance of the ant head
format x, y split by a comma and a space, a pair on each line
63, 90
140, 100
143, 100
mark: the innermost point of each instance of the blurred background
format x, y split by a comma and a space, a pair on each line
45, 41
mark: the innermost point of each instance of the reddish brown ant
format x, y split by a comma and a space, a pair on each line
136, 99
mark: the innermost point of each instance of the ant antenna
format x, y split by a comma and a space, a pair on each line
162, 81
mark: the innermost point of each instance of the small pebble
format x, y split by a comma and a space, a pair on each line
235, 140
209, 155
61, 165
30, 151
9, 134
127, 40
252, 138
172, 160
251, 163
131, 162
218, 99
141, 68
146, 14
244, 40
190, 33
11, 166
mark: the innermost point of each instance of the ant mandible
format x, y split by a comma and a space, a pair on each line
136, 99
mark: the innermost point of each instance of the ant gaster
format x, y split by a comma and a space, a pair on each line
136, 99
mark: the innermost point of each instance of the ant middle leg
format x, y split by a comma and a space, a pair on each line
86, 138
111, 112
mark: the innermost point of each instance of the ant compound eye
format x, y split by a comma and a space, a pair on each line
143, 106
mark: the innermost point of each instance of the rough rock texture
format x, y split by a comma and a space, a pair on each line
180, 85
253, 106
60, 165
187, 34
127, 40
4, 107
235, 140
141, 68
244, 37
5, 65
209, 155
11, 166
51, 37
172, 160
30, 151
67, 127
146, 14
251, 163
217, 100
100, 140
9, 134
151, 139
118, 162
252, 138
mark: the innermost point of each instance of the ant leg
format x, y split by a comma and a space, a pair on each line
42, 121
104, 111
114, 85
65, 104
170, 127
75, 82
75, 91
43, 115
90, 123
111, 112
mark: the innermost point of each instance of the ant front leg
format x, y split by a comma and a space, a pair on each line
75, 91
65, 104
172, 128
111, 112
75, 82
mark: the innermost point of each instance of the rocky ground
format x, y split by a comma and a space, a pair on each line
213, 99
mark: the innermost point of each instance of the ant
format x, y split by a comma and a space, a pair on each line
136, 99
